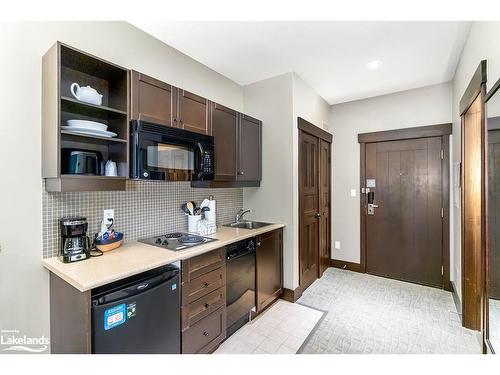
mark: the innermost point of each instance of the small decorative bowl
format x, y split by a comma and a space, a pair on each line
110, 244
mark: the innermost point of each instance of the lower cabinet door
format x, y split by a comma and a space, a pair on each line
206, 335
269, 268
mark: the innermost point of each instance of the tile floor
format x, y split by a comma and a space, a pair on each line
282, 329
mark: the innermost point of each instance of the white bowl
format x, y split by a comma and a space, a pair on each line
85, 124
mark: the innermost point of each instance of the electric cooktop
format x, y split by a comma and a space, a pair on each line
177, 241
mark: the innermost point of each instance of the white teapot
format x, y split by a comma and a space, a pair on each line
86, 94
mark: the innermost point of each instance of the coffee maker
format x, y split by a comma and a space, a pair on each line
75, 245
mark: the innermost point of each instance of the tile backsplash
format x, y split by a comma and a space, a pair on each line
145, 209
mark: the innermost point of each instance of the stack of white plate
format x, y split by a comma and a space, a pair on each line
88, 128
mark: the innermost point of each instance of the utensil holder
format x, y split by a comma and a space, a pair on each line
193, 223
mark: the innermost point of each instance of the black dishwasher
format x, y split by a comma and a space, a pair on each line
240, 283
138, 315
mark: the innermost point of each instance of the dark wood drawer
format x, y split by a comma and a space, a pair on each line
199, 309
202, 264
206, 335
201, 286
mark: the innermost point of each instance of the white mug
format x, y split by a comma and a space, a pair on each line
110, 168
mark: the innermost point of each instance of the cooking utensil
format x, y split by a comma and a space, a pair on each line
185, 209
190, 206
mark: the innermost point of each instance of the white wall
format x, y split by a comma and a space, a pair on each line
23, 280
424, 106
483, 43
277, 102
271, 101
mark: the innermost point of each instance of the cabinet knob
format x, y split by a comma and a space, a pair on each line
207, 305
241, 173
205, 284
205, 333
317, 215
258, 243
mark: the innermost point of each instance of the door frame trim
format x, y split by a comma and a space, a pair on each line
439, 130
311, 129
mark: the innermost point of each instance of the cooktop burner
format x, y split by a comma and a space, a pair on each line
190, 238
177, 241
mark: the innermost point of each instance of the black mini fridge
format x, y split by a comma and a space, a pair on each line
138, 315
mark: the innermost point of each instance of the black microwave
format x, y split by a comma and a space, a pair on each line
159, 152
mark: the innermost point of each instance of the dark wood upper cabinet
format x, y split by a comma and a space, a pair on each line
193, 112
269, 268
152, 100
238, 148
249, 149
224, 131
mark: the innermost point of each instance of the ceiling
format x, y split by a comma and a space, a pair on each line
332, 57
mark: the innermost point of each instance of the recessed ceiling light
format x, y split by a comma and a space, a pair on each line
375, 64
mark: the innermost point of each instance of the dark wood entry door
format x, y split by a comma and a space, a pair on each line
404, 235
308, 209
494, 212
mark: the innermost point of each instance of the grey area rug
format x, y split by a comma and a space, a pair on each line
370, 314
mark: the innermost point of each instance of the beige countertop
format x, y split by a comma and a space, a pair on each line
135, 257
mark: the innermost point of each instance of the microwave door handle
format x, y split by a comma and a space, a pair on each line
202, 159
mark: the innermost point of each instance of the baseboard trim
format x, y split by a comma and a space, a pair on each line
350, 266
456, 300
291, 295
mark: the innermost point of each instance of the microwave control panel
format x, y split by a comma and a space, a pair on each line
208, 163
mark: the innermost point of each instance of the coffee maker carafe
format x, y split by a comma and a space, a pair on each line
75, 245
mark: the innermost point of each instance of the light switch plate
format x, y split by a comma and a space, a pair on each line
353, 192
337, 244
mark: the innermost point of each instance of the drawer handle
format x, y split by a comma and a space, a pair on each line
207, 305
205, 284
205, 333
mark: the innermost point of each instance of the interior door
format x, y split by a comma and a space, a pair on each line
494, 212
308, 209
324, 205
404, 231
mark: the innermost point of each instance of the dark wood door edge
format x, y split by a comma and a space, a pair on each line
445, 201
456, 300
291, 295
310, 128
349, 266
406, 133
474, 88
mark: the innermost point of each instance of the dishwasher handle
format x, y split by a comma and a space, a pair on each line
136, 288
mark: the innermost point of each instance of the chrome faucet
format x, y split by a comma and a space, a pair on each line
240, 214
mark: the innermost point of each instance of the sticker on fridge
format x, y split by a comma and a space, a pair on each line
131, 310
114, 316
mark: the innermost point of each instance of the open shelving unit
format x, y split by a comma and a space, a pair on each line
63, 65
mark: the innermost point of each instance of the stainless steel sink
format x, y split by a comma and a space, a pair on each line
248, 224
